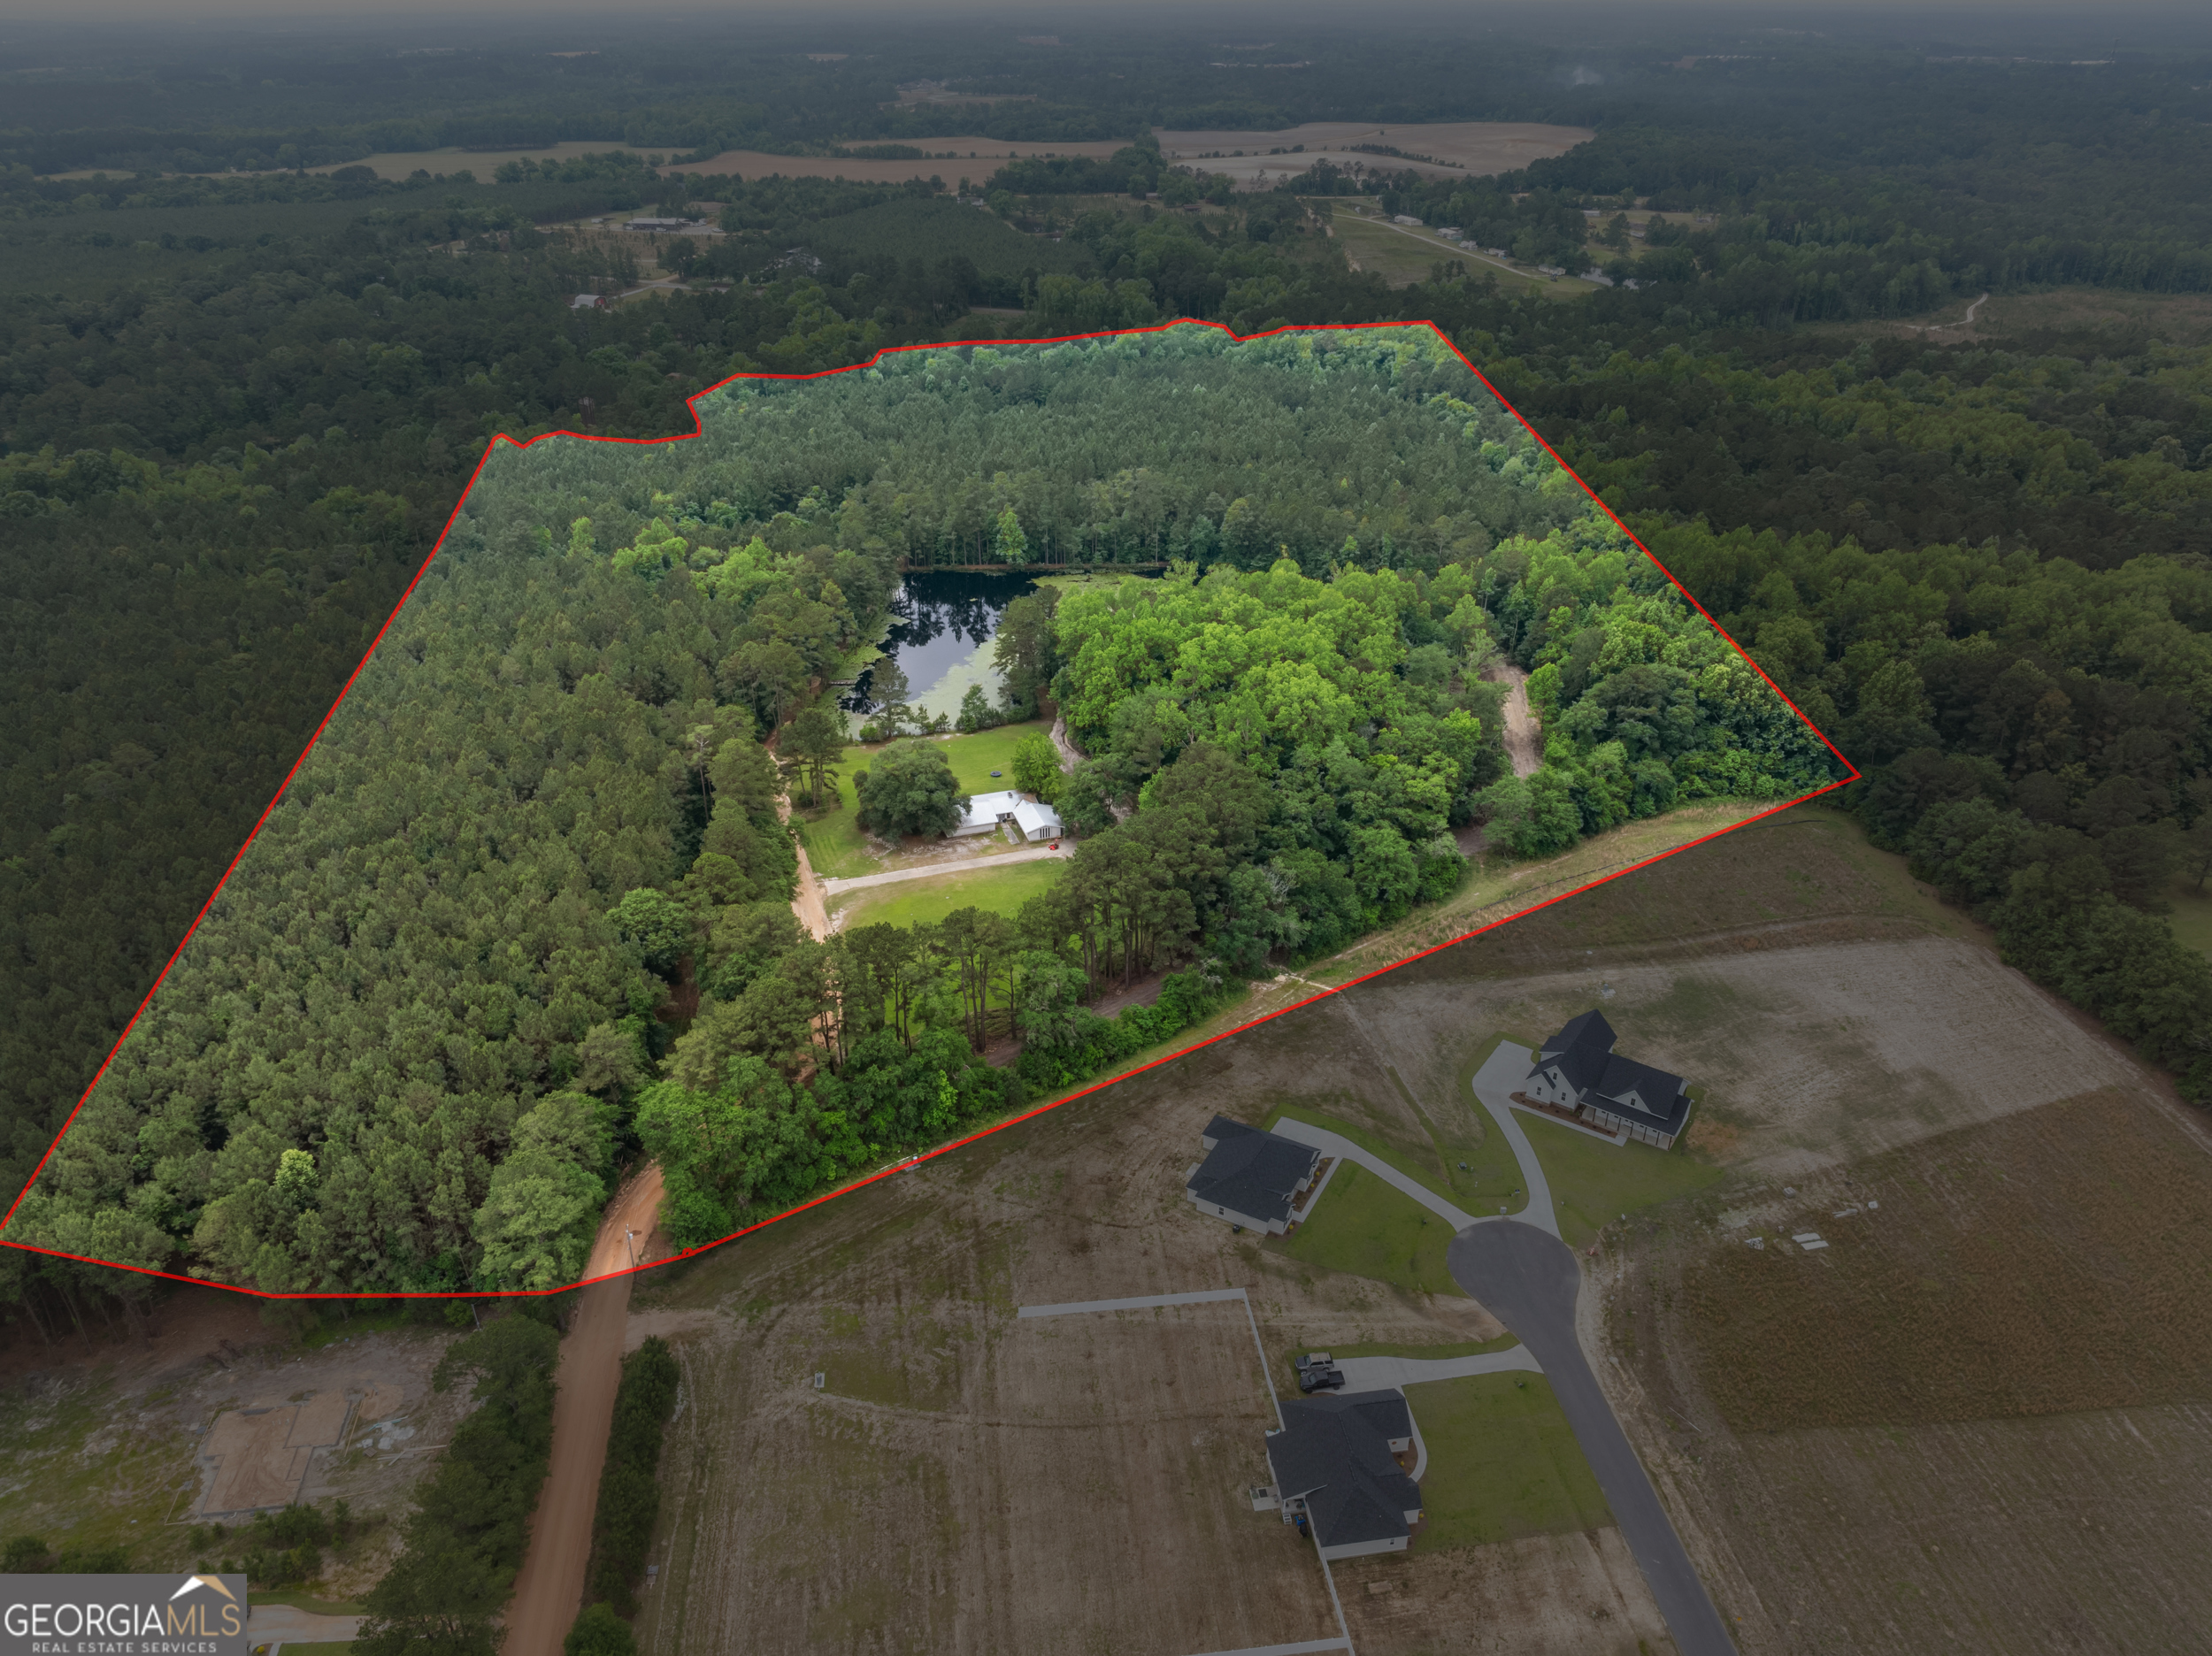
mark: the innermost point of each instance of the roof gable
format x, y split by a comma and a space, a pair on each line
1580, 1049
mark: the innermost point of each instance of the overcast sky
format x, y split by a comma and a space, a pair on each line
2095, 15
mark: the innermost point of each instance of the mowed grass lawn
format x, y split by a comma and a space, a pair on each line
920, 902
1362, 1226
1592, 1181
1503, 1462
834, 844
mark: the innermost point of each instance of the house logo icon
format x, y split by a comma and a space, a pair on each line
194, 1581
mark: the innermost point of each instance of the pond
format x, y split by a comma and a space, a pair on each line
942, 623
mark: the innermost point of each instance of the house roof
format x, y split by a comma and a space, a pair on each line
1334, 1451
1584, 1053
1580, 1049
1666, 1099
1030, 815
1251, 1172
985, 809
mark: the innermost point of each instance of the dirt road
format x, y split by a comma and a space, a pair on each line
549, 1590
1524, 739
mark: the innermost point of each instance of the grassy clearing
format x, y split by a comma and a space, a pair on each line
2192, 918
834, 843
916, 903
1592, 1181
1364, 1228
1503, 1462
81, 1468
299, 1600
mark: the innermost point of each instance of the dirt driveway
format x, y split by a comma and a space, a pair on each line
549, 1589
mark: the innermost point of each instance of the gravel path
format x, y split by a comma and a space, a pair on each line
1035, 853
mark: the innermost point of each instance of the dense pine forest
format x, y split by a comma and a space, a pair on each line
235, 410
428, 1012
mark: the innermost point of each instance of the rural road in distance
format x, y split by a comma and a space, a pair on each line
1529, 1280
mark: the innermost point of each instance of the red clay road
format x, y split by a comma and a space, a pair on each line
549, 1590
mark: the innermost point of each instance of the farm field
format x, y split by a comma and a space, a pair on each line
1476, 148
975, 157
401, 164
1981, 1414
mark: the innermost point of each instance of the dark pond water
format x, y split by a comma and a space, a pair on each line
942, 624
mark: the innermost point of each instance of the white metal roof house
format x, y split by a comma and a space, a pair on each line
988, 813
1036, 820
1578, 1069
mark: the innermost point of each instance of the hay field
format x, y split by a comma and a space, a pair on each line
1980, 1419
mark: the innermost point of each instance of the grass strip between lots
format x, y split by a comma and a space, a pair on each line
1365, 1227
1504, 1462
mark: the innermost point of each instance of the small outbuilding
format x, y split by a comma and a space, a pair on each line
588, 302
1579, 1070
1335, 1464
1250, 1177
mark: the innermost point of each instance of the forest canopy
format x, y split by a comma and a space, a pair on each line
524, 911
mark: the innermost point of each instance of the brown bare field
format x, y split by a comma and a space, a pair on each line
1574, 1595
1831, 1009
2048, 1263
483, 163
983, 153
1981, 1419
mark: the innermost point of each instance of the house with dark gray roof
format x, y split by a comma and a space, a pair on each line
1250, 1177
1335, 1464
1577, 1070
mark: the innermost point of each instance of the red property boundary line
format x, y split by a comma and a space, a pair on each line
493, 446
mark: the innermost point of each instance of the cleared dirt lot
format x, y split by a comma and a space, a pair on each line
968, 1481
129, 1442
2012, 1460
